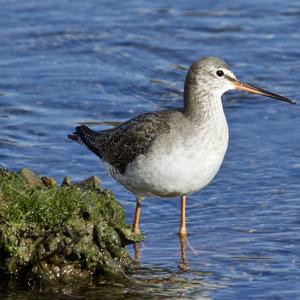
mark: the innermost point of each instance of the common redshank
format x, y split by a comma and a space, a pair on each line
175, 152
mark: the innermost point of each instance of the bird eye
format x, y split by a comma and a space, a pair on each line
220, 73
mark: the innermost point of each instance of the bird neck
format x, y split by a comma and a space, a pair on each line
202, 105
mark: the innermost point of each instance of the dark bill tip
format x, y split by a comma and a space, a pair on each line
239, 85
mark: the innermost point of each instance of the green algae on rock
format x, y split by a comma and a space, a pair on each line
58, 234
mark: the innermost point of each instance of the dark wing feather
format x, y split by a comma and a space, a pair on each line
121, 145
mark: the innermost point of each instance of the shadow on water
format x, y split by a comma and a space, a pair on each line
141, 282
151, 282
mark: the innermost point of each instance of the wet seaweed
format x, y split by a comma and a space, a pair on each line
60, 234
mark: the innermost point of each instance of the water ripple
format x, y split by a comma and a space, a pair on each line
63, 62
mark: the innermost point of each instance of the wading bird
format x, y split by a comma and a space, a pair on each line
177, 152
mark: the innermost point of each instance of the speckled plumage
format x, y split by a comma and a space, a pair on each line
121, 145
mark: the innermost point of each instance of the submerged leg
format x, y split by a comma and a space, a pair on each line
137, 216
182, 229
137, 251
183, 265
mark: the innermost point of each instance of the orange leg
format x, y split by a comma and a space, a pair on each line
137, 216
182, 229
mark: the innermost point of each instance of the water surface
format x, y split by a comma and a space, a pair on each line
63, 62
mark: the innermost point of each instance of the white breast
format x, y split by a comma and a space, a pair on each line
177, 165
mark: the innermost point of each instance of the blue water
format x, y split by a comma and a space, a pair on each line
64, 62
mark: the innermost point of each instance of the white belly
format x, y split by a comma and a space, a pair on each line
181, 167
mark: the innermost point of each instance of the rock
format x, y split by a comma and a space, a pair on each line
66, 181
30, 178
128, 236
51, 234
48, 181
3, 170
92, 181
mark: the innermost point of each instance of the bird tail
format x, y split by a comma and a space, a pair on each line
87, 137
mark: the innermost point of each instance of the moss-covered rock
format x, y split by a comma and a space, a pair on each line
50, 233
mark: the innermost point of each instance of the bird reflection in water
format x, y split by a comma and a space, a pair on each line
184, 244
